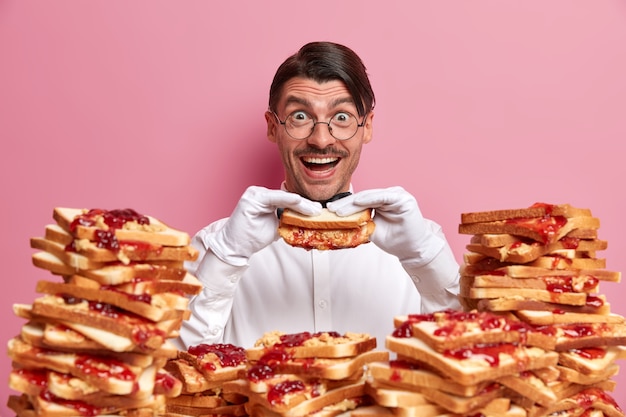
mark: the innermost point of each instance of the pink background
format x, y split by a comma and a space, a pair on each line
159, 106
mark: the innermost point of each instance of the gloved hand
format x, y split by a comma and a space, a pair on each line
253, 224
401, 230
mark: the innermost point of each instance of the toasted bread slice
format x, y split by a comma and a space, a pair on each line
498, 240
580, 398
155, 307
536, 210
56, 407
115, 273
56, 336
410, 375
521, 252
198, 401
530, 386
545, 318
193, 380
393, 397
525, 271
313, 345
125, 224
293, 402
595, 304
446, 330
578, 377
558, 283
114, 377
543, 230
177, 410
169, 293
326, 220
576, 299
427, 409
73, 260
140, 331
326, 368
124, 251
452, 404
268, 383
562, 262
216, 362
69, 387
591, 360
589, 335
472, 365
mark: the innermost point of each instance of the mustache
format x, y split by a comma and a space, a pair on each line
310, 151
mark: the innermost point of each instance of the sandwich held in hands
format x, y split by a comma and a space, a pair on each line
253, 223
326, 230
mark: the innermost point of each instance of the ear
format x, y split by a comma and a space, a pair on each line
271, 126
368, 128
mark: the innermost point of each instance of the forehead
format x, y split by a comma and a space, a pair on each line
309, 92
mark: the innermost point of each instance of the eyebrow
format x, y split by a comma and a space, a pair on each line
307, 103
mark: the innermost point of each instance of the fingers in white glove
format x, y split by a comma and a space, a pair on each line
270, 200
393, 199
253, 224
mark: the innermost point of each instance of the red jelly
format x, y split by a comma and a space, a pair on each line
547, 227
590, 352
298, 339
227, 354
104, 368
277, 393
260, 373
115, 219
488, 352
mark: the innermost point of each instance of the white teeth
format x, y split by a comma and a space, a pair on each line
319, 160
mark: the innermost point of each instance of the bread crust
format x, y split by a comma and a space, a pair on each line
473, 371
536, 210
316, 345
330, 368
155, 232
325, 220
148, 334
538, 229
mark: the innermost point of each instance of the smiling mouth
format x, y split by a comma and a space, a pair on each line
320, 164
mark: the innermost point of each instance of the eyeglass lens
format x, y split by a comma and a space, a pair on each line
342, 126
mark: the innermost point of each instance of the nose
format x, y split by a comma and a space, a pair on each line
321, 137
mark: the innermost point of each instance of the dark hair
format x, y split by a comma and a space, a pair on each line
326, 61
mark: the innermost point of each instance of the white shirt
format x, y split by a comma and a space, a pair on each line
293, 290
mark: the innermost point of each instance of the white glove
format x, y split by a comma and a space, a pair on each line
253, 224
401, 230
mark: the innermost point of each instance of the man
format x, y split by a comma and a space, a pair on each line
320, 116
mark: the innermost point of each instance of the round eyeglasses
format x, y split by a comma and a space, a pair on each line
300, 125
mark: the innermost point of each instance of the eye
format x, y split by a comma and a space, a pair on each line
300, 117
342, 119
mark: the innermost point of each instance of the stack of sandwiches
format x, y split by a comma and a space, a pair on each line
454, 362
97, 339
536, 338
203, 370
539, 265
302, 374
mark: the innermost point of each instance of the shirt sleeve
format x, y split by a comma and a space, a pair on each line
438, 280
211, 308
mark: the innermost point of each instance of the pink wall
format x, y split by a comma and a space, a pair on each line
159, 106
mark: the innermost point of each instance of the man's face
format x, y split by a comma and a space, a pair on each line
319, 166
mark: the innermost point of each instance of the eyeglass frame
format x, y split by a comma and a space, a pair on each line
315, 123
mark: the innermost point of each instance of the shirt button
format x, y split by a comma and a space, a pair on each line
415, 278
322, 303
215, 331
234, 278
